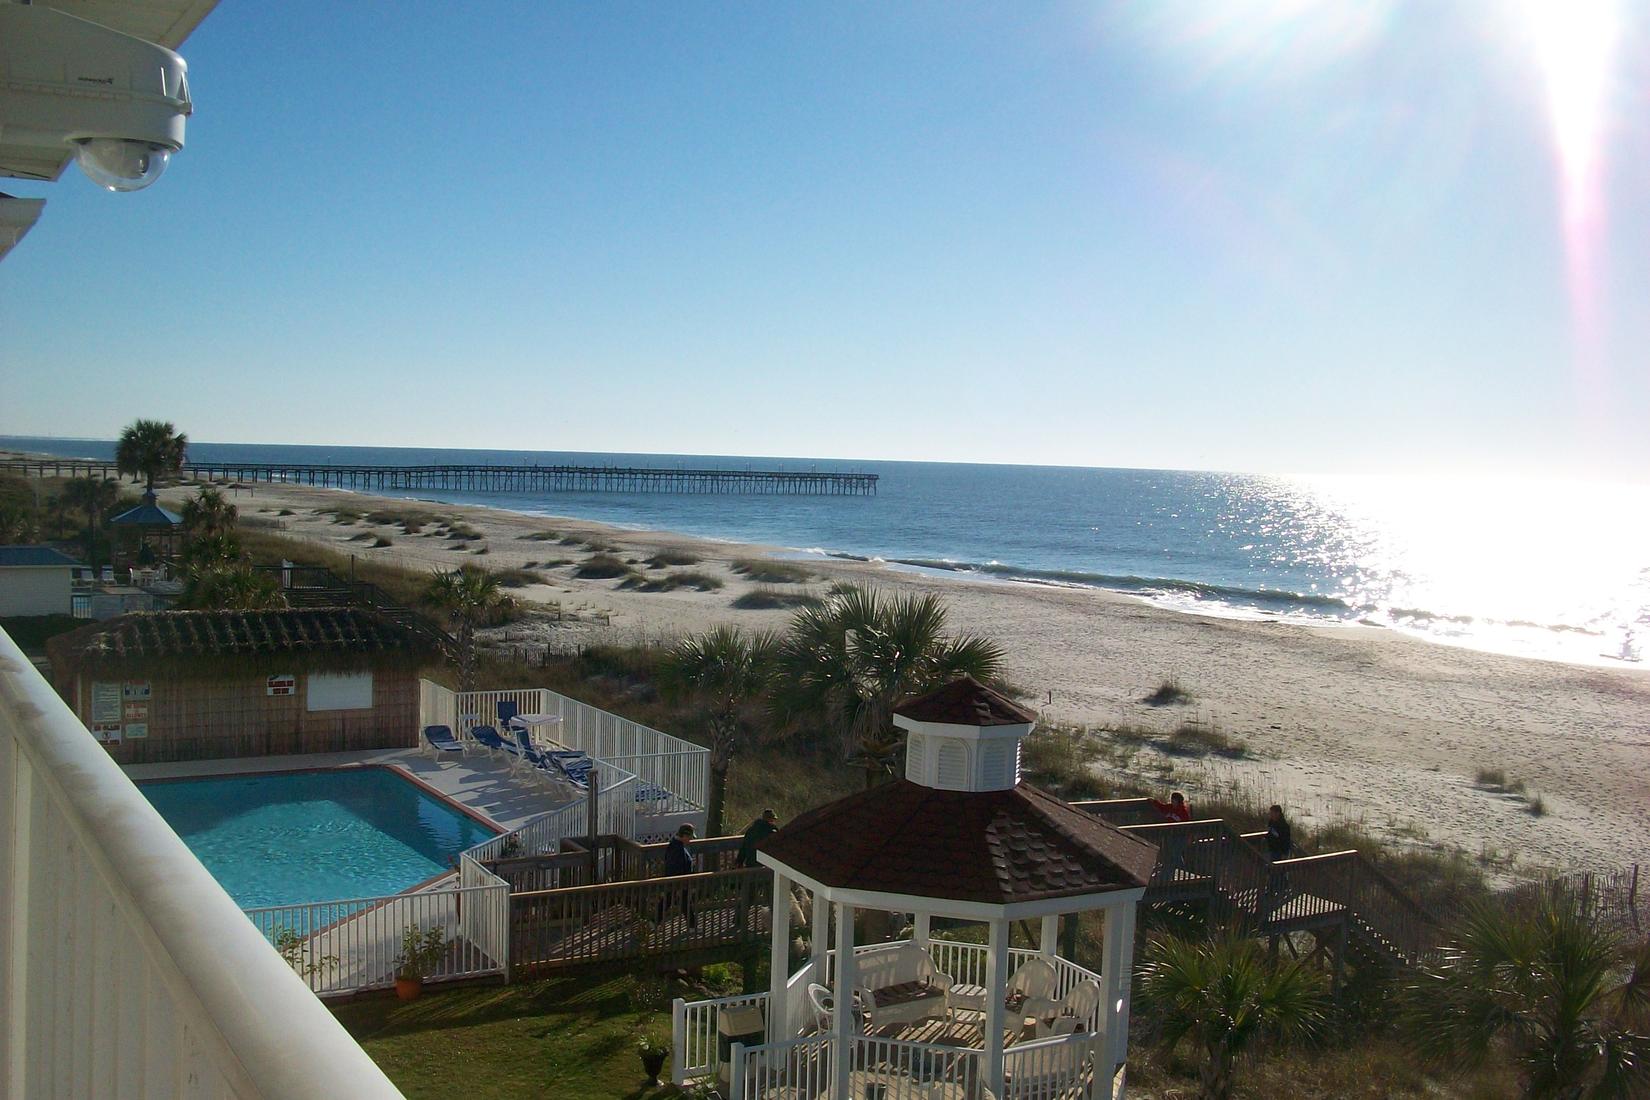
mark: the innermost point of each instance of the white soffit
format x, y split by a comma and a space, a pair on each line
17, 217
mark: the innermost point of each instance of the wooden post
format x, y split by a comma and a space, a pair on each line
591, 820
779, 959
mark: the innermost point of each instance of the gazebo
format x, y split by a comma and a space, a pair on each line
155, 529
959, 838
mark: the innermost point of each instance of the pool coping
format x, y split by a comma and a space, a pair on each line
396, 769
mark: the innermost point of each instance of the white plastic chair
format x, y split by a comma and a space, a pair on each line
1078, 1006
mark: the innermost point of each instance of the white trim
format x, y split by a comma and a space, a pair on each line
966, 910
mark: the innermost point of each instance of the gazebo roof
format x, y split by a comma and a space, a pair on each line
965, 702
994, 847
147, 514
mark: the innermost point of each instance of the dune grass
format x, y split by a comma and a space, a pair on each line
763, 571
602, 567
766, 597
671, 557
669, 582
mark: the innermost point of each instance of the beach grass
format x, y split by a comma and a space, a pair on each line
664, 558
669, 582
602, 567
765, 597
1168, 693
763, 571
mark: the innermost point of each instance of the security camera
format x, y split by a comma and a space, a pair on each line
71, 86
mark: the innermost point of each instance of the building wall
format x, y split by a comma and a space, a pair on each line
35, 590
232, 714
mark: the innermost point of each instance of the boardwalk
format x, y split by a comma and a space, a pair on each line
484, 478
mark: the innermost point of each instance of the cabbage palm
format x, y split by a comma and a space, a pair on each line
94, 496
1225, 996
726, 669
468, 595
849, 660
209, 512
1559, 993
231, 583
153, 448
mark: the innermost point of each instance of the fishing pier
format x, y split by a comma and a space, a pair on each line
487, 478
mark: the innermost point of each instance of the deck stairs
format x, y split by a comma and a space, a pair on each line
1350, 908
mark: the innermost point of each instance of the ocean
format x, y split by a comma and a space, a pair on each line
1551, 570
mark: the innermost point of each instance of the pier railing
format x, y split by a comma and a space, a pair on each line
488, 477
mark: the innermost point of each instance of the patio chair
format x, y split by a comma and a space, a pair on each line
487, 737
823, 1002
507, 711
900, 984
440, 741
1052, 1073
1073, 1012
1034, 981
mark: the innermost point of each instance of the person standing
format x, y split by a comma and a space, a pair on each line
1175, 809
1279, 841
755, 833
679, 861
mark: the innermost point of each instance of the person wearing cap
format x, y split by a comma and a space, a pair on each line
755, 833
679, 861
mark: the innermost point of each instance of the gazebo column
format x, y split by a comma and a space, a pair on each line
819, 935
779, 960
919, 930
1050, 944
1114, 979
996, 978
842, 1015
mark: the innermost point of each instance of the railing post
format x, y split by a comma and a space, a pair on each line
736, 1072
678, 1042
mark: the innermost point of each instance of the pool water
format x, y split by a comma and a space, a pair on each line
292, 837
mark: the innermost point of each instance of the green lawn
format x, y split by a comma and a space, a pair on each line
571, 1037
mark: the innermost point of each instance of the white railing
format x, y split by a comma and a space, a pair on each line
917, 1071
1054, 1069
798, 1067
542, 834
679, 767
123, 964
694, 1030
349, 946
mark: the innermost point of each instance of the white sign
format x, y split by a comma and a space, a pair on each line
282, 685
344, 691
105, 702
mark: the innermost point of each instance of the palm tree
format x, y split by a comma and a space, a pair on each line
1225, 995
1559, 993
726, 669
209, 513
95, 496
468, 595
153, 448
849, 660
232, 584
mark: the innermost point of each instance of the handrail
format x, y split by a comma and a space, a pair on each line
672, 882
166, 938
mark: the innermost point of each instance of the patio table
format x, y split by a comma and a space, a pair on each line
537, 725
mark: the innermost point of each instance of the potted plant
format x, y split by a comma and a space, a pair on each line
421, 951
653, 1055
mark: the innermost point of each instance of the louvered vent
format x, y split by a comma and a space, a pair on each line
953, 767
916, 759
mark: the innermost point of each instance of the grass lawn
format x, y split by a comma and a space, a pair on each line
570, 1037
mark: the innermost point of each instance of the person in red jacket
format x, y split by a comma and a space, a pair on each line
1175, 809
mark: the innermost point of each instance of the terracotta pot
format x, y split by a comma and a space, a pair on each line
653, 1064
409, 989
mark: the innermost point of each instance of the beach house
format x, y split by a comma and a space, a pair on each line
35, 580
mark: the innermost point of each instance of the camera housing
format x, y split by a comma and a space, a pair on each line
69, 86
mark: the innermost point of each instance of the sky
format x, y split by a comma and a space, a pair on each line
1257, 235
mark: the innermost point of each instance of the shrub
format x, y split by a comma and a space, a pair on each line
601, 567
1168, 693
764, 598
669, 582
763, 571
671, 557
381, 541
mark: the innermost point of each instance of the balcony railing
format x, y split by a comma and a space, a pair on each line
123, 964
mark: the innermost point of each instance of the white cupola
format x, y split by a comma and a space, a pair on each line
963, 737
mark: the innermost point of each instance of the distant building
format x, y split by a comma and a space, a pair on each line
188, 685
35, 580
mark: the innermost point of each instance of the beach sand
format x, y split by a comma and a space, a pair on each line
1340, 723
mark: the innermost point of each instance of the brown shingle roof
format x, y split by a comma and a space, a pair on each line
997, 847
184, 636
965, 702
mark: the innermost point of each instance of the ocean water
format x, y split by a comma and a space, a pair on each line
1554, 570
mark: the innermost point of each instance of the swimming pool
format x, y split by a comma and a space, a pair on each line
291, 837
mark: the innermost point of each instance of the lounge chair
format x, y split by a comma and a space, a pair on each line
440, 741
507, 711
487, 737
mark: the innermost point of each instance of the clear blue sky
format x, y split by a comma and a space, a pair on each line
1247, 234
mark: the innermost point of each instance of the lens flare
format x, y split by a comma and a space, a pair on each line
1574, 42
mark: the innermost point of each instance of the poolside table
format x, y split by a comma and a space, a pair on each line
537, 725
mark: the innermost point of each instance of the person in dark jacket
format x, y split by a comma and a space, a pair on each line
679, 861
755, 833
1279, 842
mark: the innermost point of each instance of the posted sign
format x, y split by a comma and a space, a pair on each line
286, 684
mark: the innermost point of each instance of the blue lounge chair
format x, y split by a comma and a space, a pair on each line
487, 737
440, 740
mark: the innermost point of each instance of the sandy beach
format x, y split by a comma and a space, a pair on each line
1351, 723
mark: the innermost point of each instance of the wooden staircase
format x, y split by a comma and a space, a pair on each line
1352, 910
